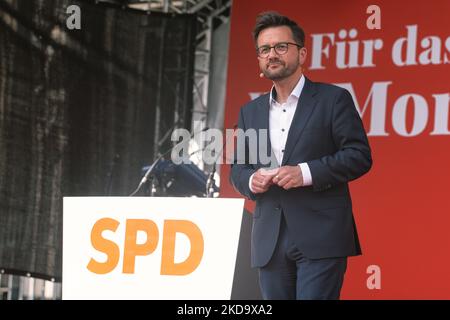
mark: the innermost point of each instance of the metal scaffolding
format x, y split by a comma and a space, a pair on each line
210, 15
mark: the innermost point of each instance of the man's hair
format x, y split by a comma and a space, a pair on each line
273, 19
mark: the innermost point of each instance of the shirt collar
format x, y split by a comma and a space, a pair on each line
296, 92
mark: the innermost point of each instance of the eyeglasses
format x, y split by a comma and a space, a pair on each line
280, 48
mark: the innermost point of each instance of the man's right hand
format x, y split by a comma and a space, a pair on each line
262, 180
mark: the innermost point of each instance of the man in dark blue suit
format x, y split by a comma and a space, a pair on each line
303, 225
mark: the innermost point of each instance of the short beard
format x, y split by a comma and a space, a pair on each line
281, 74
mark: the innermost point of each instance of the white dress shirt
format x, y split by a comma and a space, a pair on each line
280, 119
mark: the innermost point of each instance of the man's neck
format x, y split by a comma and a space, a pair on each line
284, 87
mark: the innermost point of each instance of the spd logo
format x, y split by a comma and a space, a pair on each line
133, 249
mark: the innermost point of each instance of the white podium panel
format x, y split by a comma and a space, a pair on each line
149, 248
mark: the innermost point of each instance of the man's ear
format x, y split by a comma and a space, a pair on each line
302, 55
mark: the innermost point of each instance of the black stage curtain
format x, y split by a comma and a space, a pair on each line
81, 112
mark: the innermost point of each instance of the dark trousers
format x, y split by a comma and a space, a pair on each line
290, 275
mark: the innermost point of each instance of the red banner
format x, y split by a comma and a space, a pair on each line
399, 77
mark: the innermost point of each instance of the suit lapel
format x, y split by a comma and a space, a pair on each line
302, 113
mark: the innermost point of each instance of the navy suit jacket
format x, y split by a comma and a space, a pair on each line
327, 133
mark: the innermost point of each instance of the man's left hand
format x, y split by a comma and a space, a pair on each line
289, 177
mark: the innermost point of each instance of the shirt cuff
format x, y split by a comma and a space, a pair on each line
306, 173
250, 183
